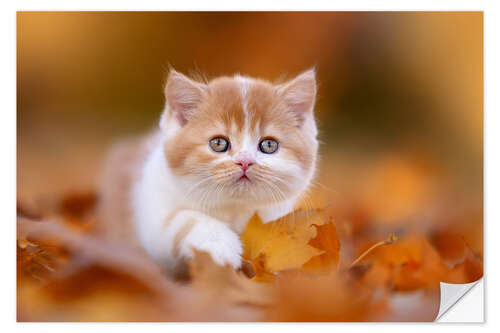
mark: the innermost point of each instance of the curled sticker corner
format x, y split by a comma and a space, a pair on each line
451, 293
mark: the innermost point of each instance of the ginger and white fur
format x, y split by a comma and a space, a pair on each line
173, 194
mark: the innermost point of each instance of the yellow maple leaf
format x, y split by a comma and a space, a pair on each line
281, 244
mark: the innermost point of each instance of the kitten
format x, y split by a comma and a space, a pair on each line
225, 150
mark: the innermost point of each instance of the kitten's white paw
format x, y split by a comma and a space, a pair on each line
217, 239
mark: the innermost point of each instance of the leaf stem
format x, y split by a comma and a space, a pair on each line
391, 239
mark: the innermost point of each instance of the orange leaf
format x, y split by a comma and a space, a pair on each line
409, 264
326, 239
470, 270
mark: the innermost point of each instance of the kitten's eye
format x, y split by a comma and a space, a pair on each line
268, 146
219, 144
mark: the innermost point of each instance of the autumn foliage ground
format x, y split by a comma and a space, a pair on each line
307, 266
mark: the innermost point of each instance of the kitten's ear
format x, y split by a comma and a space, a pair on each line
183, 96
299, 94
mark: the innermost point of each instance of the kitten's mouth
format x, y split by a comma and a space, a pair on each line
243, 178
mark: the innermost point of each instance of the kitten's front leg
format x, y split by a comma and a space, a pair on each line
192, 230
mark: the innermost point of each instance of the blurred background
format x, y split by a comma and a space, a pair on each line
400, 105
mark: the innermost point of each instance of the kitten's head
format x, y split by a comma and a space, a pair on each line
241, 140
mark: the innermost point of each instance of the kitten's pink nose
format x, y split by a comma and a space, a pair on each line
244, 163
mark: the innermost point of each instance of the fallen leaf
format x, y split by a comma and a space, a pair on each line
281, 244
102, 252
410, 263
260, 273
450, 246
327, 240
470, 270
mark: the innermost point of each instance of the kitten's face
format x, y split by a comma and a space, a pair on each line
241, 140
